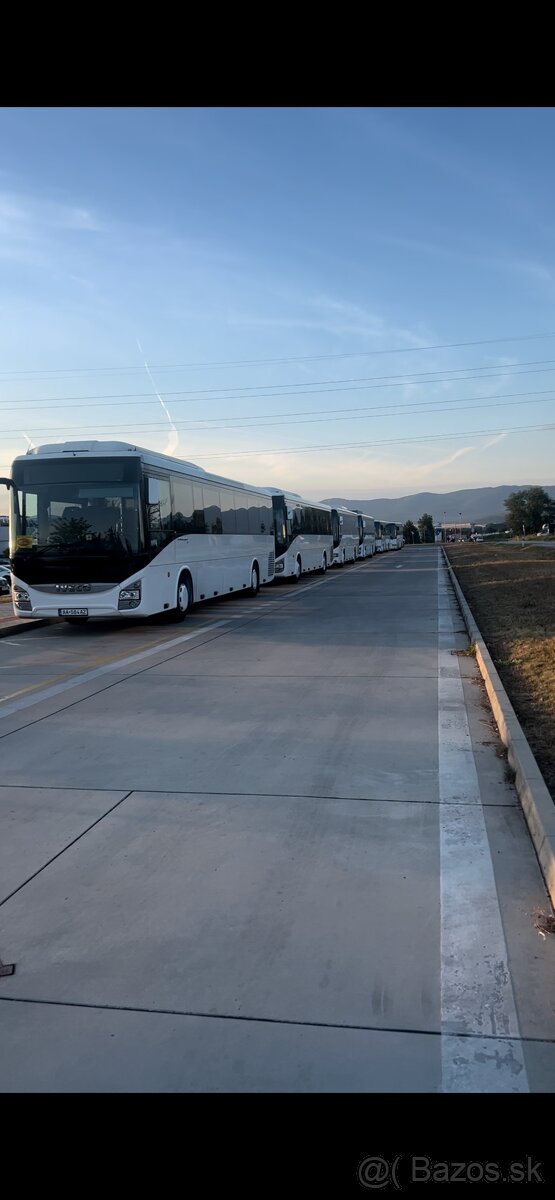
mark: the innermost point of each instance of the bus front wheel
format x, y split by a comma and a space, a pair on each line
184, 599
298, 569
255, 580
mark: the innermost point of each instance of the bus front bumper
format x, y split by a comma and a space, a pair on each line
120, 601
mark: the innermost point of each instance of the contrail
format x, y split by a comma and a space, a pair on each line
174, 438
500, 438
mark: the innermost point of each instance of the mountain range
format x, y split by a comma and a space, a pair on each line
478, 505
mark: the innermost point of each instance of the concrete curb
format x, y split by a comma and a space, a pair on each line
537, 805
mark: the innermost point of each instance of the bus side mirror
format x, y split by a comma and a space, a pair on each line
9, 483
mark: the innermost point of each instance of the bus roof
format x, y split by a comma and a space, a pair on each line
152, 458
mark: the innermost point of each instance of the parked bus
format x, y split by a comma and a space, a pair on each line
303, 534
346, 537
367, 536
391, 535
107, 529
400, 538
381, 540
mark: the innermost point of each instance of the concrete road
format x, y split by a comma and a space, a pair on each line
272, 849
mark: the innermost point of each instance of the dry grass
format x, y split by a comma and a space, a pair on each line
511, 592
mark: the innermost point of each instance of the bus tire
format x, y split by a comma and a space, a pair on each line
298, 569
255, 580
184, 599
324, 566
76, 620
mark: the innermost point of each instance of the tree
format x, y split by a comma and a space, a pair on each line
426, 527
410, 533
69, 529
530, 508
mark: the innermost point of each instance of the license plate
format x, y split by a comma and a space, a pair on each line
73, 612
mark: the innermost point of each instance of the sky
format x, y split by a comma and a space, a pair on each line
340, 301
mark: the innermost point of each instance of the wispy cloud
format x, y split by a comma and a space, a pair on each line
30, 229
472, 253
337, 317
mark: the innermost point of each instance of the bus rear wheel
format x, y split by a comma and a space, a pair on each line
324, 566
255, 580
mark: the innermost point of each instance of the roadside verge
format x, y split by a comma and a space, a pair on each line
537, 805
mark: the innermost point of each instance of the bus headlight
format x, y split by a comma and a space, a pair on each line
130, 597
22, 600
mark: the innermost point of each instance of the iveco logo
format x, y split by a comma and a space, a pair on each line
73, 587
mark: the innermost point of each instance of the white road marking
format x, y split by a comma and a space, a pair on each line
126, 661
476, 989
56, 689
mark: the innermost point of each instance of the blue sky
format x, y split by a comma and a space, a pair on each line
316, 254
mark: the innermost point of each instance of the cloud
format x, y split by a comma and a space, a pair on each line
81, 219
337, 317
30, 228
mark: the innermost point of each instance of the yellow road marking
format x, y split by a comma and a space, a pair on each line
96, 662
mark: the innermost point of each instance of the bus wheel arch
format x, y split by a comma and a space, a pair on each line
298, 567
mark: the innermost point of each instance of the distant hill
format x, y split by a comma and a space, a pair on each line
473, 504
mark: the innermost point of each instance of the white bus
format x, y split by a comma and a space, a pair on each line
107, 529
367, 536
391, 530
303, 534
400, 538
381, 538
346, 536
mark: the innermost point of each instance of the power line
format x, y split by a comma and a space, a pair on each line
311, 390
439, 437
399, 410
248, 362
458, 405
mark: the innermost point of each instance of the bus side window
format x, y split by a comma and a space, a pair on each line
241, 511
229, 522
266, 518
159, 511
199, 523
212, 512
183, 506
255, 515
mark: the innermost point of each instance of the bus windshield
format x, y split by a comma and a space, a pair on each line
88, 507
